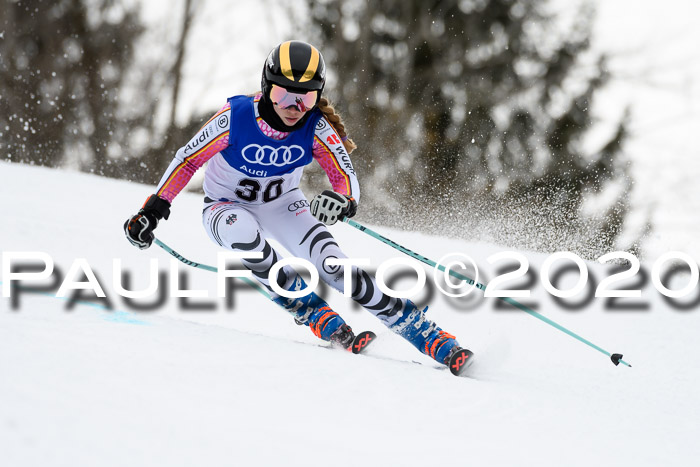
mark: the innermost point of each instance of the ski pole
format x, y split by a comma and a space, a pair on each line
178, 256
616, 358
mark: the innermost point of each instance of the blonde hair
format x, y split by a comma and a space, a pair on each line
325, 106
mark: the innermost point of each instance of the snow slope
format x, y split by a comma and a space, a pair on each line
243, 385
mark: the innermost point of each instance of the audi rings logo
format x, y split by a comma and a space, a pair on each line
267, 155
296, 205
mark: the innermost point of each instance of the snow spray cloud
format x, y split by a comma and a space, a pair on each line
36, 272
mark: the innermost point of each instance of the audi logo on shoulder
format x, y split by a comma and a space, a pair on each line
296, 205
268, 155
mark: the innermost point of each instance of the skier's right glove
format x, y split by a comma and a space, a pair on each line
139, 228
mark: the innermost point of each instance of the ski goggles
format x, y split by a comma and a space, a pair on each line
287, 99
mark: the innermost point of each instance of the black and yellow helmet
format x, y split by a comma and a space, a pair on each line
294, 65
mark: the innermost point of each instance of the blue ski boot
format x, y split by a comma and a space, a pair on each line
424, 334
312, 311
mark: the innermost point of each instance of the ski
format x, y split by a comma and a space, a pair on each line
458, 364
362, 341
460, 361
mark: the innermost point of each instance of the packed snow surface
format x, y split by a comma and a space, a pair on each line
241, 384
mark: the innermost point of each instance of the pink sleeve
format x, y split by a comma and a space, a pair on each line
184, 166
324, 156
330, 153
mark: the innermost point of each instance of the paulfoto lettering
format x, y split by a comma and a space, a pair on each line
21, 268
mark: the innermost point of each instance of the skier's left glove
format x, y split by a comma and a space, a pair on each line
139, 228
329, 207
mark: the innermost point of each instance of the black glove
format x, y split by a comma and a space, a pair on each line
329, 207
139, 228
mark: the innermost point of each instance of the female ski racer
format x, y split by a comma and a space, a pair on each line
257, 148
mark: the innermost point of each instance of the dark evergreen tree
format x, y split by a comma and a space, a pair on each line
62, 67
475, 111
